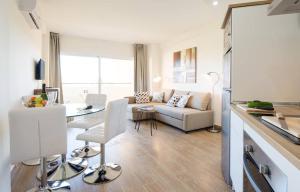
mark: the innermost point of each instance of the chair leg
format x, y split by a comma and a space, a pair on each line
66, 169
48, 186
106, 172
86, 152
35, 162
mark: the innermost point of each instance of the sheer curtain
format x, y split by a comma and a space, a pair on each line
141, 69
54, 64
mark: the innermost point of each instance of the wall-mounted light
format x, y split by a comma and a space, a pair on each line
157, 79
215, 3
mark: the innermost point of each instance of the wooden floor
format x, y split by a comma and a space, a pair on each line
170, 160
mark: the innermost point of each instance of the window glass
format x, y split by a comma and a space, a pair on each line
80, 75
116, 71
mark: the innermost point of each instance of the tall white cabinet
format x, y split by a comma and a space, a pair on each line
265, 51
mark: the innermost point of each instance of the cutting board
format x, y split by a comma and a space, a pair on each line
293, 124
244, 107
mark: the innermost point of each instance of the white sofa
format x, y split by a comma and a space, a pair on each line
197, 114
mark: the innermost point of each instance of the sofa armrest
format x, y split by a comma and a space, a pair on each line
131, 99
201, 119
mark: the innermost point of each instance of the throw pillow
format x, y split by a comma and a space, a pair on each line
183, 101
158, 97
142, 97
180, 92
168, 93
199, 100
173, 101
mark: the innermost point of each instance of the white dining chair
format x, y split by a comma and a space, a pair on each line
97, 101
38, 133
114, 124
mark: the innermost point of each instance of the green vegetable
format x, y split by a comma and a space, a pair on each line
260, 105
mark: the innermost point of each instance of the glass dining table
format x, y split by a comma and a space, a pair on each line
74, 166
78, 109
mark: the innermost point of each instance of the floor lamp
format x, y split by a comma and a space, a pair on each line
215, 82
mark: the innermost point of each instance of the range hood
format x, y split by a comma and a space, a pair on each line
279, 7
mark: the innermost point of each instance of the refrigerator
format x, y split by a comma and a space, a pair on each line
226, 102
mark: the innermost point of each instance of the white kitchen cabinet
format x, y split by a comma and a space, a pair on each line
236, 152
265, 51
284, 174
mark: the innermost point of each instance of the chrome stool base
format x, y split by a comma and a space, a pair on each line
35, 162
86, 152
56, 186
66, 170
108, 173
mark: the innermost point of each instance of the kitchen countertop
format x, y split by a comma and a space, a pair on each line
288, 149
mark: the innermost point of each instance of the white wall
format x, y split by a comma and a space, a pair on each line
25, 49
19, 47
154, 59
4, 132
71, 45
209, 43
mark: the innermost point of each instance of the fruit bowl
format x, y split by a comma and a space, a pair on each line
34, 101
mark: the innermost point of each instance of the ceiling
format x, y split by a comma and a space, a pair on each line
138, 21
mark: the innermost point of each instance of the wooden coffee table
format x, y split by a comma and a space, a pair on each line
149, 110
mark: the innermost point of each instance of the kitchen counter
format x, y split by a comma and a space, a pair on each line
288, 149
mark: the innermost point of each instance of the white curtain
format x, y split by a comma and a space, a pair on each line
54, 64
141, 69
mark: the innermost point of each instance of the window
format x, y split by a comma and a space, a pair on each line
116, 78
82, 75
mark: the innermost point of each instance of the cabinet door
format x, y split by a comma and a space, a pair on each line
236, 152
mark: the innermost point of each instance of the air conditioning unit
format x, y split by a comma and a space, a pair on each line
279, 7
29, 10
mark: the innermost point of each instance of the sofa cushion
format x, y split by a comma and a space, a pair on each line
142, 97
158, 97
199, 100
131, 99
173, 101
179, 92
183, 101
168, 93
175, 112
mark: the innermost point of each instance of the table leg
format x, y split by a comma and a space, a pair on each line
152, 123
155, 121
139, 121
136, 122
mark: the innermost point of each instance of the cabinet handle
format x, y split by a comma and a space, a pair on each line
248, 160
248, 148
264, 169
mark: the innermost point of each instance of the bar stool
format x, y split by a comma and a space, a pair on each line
35, 162
38, 133
95, 100
115, 124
